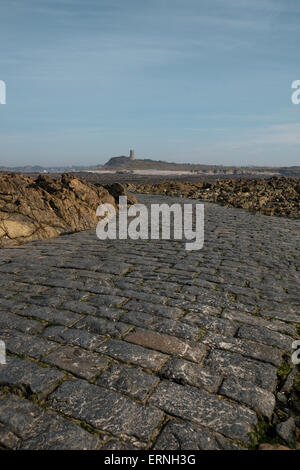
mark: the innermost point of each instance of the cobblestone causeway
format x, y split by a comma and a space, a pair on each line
144, 345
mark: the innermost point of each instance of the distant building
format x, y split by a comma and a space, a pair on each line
132, 155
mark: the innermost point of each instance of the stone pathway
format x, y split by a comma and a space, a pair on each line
141, 344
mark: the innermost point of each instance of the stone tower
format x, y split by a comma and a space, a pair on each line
132, 155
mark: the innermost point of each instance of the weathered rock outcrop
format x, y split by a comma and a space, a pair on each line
31, 208
277, 196
117, 190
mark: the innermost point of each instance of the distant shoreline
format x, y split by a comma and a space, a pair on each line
170, 172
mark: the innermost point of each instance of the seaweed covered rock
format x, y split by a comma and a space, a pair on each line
277, 196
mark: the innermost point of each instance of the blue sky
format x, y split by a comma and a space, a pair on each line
206, 81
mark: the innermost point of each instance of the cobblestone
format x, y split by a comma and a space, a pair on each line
162, 325
244, 347
28, 375
105, 410
51, 315
78, 361
232, 364
185, 372
219, 325
134, 344
14, 322
259, 399
128, 380
28, 427
102, 326
81, 338
233, 421
24, 344
168, 344
184, 436
266, 336
132, 353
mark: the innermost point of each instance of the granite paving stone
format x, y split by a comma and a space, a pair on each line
128, 380
20, 343
50, 314
185, 372
167, 344
102, 326
132, 353
105, 410
82, 363
29, 375
179, 436
232, 420
73, 336
259, 399
28, 427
